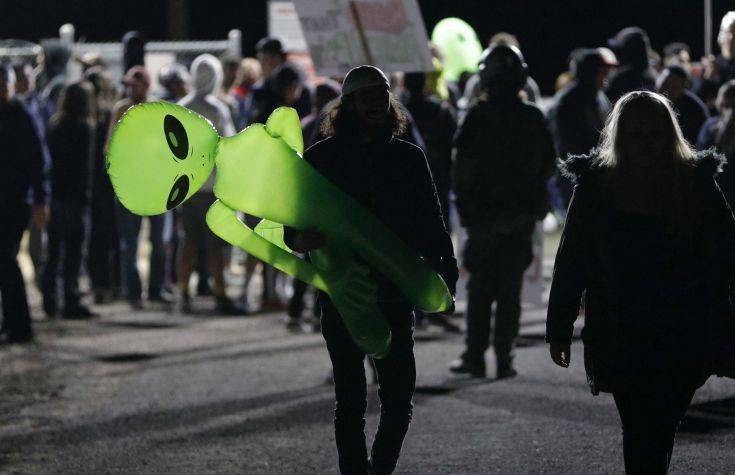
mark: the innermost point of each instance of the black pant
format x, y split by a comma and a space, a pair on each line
16, 318
650, 413
66, 230
496, 264
396, 379
103, 257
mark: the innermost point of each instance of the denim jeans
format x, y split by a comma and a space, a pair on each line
129, 228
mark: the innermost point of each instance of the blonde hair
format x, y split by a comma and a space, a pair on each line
611, 150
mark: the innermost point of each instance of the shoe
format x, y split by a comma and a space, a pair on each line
506, 372
183, 304
463, 366
7, 337
293, 324
272, 305
78, 312
136, 304
225, 306
161, 298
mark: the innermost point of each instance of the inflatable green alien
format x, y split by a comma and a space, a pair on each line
160, 154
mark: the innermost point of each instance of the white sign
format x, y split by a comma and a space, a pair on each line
283, 23
342, 34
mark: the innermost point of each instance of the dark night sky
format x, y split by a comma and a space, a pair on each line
548, 30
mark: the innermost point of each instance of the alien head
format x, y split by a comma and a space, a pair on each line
159, 155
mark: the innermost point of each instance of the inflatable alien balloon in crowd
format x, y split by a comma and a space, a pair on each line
461, 48
160, 154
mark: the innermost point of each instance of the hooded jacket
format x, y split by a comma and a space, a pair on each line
655, 304
631, 46
206, 81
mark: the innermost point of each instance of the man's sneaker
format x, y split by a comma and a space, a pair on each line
476, 369
225, 306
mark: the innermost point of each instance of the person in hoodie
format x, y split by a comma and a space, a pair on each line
473, 90
206, 82
633, 50
579, 111
504, 156
649, 243
137, 83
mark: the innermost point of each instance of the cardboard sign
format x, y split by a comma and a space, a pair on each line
342, 34
283, 23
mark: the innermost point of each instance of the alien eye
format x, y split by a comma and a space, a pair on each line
176, 137
178, 192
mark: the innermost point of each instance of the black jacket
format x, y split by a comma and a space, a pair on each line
391, 179
504, 156
655, 304
21, 157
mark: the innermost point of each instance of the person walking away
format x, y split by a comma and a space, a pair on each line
391, 178
648, 242
206, 76
22, 175
137, 83
579, 111
504, 156
673, 82
71, 137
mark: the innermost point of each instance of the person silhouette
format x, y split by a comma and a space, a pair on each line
649, 242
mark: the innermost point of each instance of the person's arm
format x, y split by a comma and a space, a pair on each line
568, 282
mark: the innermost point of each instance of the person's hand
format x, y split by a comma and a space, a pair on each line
308, 240
39, 216
560, 354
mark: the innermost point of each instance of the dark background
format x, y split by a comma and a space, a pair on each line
548, 30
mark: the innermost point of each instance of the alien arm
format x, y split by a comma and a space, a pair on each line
223, 222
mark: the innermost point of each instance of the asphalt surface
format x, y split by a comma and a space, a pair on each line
152, 392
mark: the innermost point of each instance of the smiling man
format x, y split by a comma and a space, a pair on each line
390, 178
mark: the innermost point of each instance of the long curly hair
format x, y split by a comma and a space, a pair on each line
342, 118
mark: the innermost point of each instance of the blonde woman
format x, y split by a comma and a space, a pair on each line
650, 243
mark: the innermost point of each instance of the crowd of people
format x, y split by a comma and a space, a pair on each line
645, 222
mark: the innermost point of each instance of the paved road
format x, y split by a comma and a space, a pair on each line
151, 392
